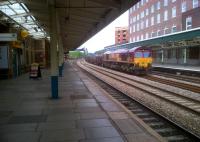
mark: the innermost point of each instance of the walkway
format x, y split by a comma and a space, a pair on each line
83, 113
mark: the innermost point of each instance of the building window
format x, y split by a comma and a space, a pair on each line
130, 11
174, 29
142, 14
142, 25
138, 27
165, 2
183, 7
173, 12
142, 2
173, 0
158, 5
158, 18
138, 5
142, 37
130, 30
147, 11
165, 15
138, 38
152, 21
134, 19
147, 23
166, 31
138, 17
159, 33
195, 3
188, 23
133, 28
153, 34
147, 35
134, 8
152, 9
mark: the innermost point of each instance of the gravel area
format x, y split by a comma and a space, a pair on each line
173, 112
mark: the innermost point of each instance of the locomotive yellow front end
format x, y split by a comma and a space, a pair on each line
142, 61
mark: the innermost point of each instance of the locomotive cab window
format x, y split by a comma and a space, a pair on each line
138, 54
146, 54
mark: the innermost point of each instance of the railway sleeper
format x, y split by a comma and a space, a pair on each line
150, 119
166, 132
177, 138
156, 125
143, 114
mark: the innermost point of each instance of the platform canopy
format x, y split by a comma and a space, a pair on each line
79, 20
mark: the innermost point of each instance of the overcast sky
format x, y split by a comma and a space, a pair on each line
106, 36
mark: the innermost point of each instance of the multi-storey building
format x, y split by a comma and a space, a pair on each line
121, 35
152, 18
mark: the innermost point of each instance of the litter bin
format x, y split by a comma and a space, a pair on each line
35, 71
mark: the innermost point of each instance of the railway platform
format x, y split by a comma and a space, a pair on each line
82, 113
177, 69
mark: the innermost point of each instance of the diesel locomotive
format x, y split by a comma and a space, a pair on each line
136, 60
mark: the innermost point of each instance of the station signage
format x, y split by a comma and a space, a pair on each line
8, 36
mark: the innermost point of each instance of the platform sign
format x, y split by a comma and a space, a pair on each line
8, 36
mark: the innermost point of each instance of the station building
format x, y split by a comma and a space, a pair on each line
121, 35
156, 18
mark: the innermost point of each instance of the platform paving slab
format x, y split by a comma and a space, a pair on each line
81, 114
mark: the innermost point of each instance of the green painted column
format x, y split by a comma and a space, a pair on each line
53, 53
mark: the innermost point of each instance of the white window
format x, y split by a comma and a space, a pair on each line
138, 38
195, 3
147, 35
183, 7
142, 2
173, 12
134, 8
188, 23
142, 14
142, 37
147, 11
133, 39
165, 2
138, 27
130, 30
147, 0
142, 25
158, 18
173, 0
138, 17
165, 15
138, 5
152, 9
130, 11
130, 39
147, 23
158, 5
152, 21
174, 29
134, 19
133, 28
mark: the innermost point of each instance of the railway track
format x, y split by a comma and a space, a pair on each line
178, 77
187, 86
184, 101
153, 121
